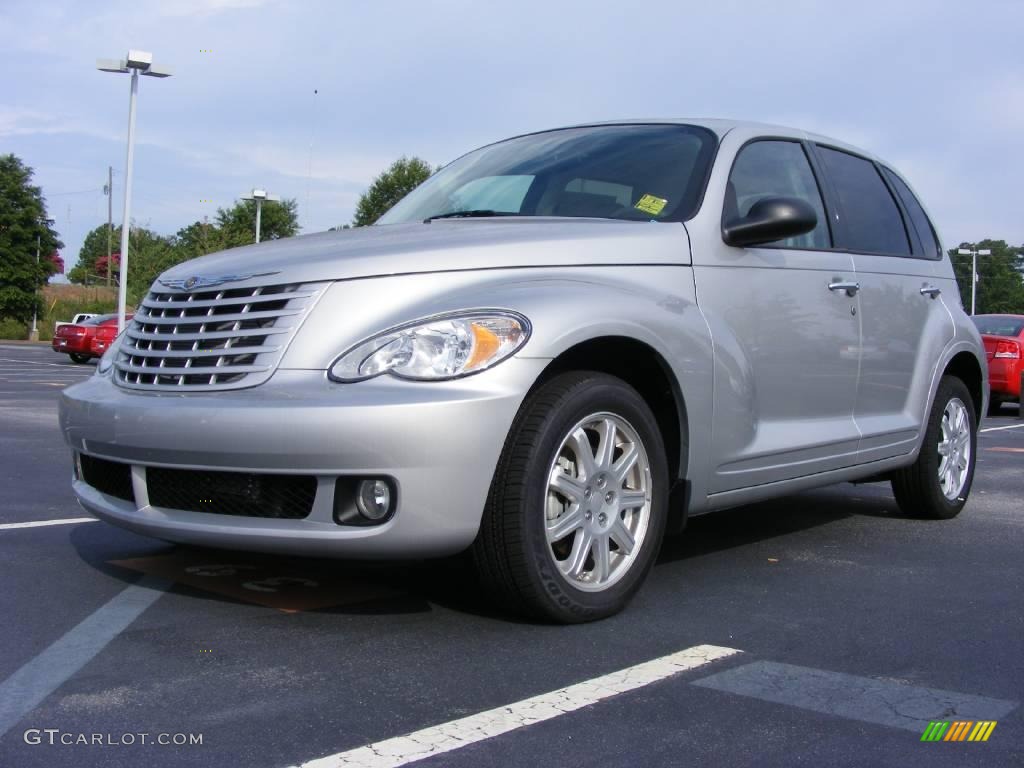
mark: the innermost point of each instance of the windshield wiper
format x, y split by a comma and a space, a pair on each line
473, 213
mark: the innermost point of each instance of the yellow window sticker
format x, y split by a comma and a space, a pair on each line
651, 204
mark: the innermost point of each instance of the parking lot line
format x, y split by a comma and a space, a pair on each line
38, 678
997, 429
41, 523
455, 734
867, 699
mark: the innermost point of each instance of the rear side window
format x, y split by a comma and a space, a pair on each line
918, 218
772, 168
873, 223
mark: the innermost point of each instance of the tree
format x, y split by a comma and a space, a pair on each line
237, 224
149, 254
1000, 287
401, 178
22, 221
198, 239
92, 256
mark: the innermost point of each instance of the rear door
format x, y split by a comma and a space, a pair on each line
786, 345
904, 325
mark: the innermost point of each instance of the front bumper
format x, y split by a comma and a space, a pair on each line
440, 442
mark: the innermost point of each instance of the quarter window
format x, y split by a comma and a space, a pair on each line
918, 218
776, 169
872, 220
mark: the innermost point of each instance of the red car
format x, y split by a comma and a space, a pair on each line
1003, 336
105, 335
77, 340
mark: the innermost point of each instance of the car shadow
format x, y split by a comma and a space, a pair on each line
294, 585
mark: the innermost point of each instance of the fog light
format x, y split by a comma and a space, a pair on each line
373, 498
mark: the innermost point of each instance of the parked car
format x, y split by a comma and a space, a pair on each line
81, 317
1003, 337
551, 352
104, 336
76, 339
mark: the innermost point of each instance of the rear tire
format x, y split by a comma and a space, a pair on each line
937, 485
79, 358
577, 507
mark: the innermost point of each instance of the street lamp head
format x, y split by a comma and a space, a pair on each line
984, 252
140, 59
111, 65
964, 251
259, 194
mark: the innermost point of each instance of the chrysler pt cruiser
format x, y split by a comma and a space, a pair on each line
550, 353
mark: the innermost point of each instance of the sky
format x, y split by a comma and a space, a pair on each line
311, 100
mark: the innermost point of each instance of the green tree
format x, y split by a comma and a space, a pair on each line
149, 254
198, 239
401, 178
93, 250
1000, 286
22, 221
237, 224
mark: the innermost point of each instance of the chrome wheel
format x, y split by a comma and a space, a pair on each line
598, 504
954, 448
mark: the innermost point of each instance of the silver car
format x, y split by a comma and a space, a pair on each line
552, 352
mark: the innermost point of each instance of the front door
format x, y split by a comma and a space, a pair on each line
787, 346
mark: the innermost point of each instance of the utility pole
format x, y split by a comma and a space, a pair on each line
109, 189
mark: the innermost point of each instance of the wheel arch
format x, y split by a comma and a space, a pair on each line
965, 366
647, 371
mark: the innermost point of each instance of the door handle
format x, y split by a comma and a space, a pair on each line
851, 288
930, 290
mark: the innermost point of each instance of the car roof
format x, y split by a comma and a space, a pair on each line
721, 126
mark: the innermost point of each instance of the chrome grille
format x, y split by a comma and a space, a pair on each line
215, 339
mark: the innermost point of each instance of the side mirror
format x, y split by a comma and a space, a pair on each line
770, 219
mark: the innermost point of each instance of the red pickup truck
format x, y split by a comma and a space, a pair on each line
77, 339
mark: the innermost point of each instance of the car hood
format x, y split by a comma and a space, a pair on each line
445, 245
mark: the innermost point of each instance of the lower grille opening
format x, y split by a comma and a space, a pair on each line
232, 493
109, 477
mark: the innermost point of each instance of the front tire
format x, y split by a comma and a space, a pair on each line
78, 358
578, 503
937, 484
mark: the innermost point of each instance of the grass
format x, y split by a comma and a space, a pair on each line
62, 303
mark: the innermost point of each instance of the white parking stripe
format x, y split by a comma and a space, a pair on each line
42, 523
997, 429
26, 688
455, 734
31, 362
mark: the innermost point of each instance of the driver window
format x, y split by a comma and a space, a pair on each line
776, 169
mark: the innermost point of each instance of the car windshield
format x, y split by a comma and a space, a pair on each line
999, 325
633, 172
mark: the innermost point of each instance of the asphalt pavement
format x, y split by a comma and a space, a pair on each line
820, 629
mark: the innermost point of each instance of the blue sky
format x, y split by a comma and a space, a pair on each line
936, 88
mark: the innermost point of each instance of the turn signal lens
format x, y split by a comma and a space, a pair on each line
435, 350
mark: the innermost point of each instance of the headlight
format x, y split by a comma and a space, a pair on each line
107, 360
445, 347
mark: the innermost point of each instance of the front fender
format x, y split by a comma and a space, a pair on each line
655, 305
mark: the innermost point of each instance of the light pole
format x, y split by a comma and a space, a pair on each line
974, 253
137, 62
260, 196
34, 336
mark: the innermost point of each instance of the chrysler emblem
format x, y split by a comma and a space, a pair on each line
197, 281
